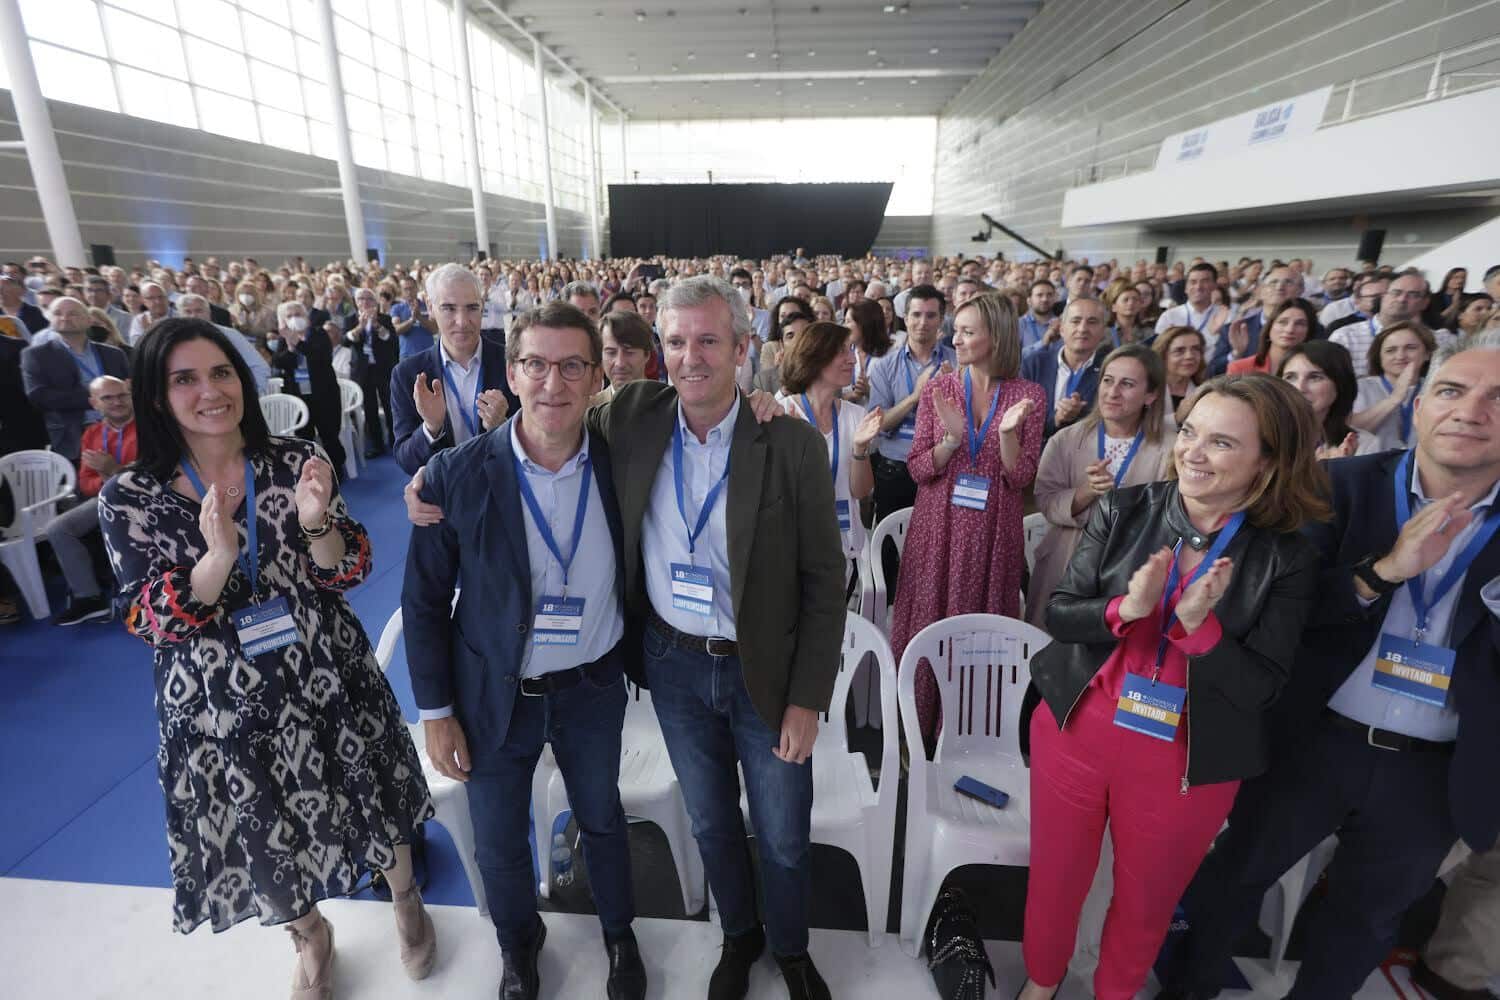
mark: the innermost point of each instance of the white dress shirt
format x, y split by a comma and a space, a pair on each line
1356, 338
664, 536
1204, 322
467, 379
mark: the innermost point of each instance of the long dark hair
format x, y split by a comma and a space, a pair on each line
1333, 360
159, 441
1308, 312
873, 336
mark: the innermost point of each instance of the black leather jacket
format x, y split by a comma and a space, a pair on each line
1232, 685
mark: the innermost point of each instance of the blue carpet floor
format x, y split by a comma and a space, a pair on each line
78, 729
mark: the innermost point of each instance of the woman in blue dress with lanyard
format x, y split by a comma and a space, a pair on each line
1124, 441
287, 768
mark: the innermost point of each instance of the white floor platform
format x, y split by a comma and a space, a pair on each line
79, 942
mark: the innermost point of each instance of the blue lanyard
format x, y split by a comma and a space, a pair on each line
91, 372
906, 362
540, 519
812, 418
1407, 406
249, 563
1075, 378
976, 444
471, 420
1460, 565
119, 447
1206, 317
708, 501
1370, 325
1135, 446
1169, 614
1114, 334
1032, 331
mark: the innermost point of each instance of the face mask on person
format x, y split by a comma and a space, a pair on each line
98, 334
247, 300
273, 344
297, 324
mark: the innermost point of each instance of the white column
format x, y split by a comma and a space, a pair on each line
592, 123
541, 88
41, 144
624, 160
471, 125
354, 216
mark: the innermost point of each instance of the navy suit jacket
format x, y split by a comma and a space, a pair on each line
56, 386
469, 655
1341, 631
1219, 363
1041, 367
412, 450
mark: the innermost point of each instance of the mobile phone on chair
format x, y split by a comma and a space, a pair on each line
976, 789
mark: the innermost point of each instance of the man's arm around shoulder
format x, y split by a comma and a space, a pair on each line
820, 573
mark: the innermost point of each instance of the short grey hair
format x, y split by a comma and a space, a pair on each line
700, 291
1485, 340
283, 310
187, 299
580, 288
451, 274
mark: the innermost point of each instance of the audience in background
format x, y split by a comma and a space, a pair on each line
1386, 402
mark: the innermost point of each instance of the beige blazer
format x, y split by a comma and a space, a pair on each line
1062, 468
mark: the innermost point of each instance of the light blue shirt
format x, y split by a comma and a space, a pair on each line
259, 370
664, 537
888, 387
466, 378
1033, 333
1358, 698
591, 576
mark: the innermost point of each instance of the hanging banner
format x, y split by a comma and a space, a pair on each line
1298, 115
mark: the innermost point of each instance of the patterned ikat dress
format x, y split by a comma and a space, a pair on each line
288, 775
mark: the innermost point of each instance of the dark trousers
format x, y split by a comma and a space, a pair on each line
894, 490
583, 725
709, 724
377, 388
1390, 811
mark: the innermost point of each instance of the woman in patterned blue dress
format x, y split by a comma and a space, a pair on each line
286, 765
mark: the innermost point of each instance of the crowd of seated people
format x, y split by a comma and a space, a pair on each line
1269, 498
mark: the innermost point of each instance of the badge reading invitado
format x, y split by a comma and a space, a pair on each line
1151, 708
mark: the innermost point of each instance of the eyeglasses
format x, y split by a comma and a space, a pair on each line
571, 369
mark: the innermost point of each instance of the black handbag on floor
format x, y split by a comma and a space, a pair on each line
955, 953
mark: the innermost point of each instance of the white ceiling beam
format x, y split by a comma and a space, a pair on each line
794, 75
516, 26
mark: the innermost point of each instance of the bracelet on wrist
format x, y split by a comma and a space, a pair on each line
320, 530
859, 457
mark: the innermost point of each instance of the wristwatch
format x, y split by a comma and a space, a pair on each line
1365, 570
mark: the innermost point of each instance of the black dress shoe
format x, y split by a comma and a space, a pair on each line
520, 979
731, 978
802, 979
1423, 975
627, 974
85, 609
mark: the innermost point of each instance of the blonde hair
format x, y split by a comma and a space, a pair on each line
998, 316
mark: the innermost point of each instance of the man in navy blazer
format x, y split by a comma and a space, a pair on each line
456, 388
532, 652
1396, 756
57, 373
1068, 371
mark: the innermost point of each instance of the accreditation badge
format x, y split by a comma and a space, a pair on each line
559, 621
1151, 708
264, 628
1417, 670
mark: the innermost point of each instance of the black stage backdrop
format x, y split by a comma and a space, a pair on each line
747, 220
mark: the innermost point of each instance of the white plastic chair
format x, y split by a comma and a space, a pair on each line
38, 480
285, 414
352, 425
449, 798
892, 526
865, 687
648, 791
982, 666
273, 385
1034, 528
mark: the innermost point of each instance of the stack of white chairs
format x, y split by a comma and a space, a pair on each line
285, 414
982, 666
37, 480
352, 425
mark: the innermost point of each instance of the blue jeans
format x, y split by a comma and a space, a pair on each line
583, 725
709, 724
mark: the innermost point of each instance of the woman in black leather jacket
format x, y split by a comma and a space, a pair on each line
1159, 724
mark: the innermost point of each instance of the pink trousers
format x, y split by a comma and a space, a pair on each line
1092, 773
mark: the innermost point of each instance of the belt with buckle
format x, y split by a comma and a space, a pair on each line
1384, 739
601, 671
694, 643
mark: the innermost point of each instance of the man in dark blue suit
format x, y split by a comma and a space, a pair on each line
1068, 371
1389, 733
1242, 339
57, 373
457, 388
532, 653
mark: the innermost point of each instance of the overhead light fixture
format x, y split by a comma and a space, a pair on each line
880, 64
674, 67
640, 15
692, 56
775, 55
811, 53
872, 52
749, 55
912, 81
809, 83
859, 83
932, 52
889, 8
